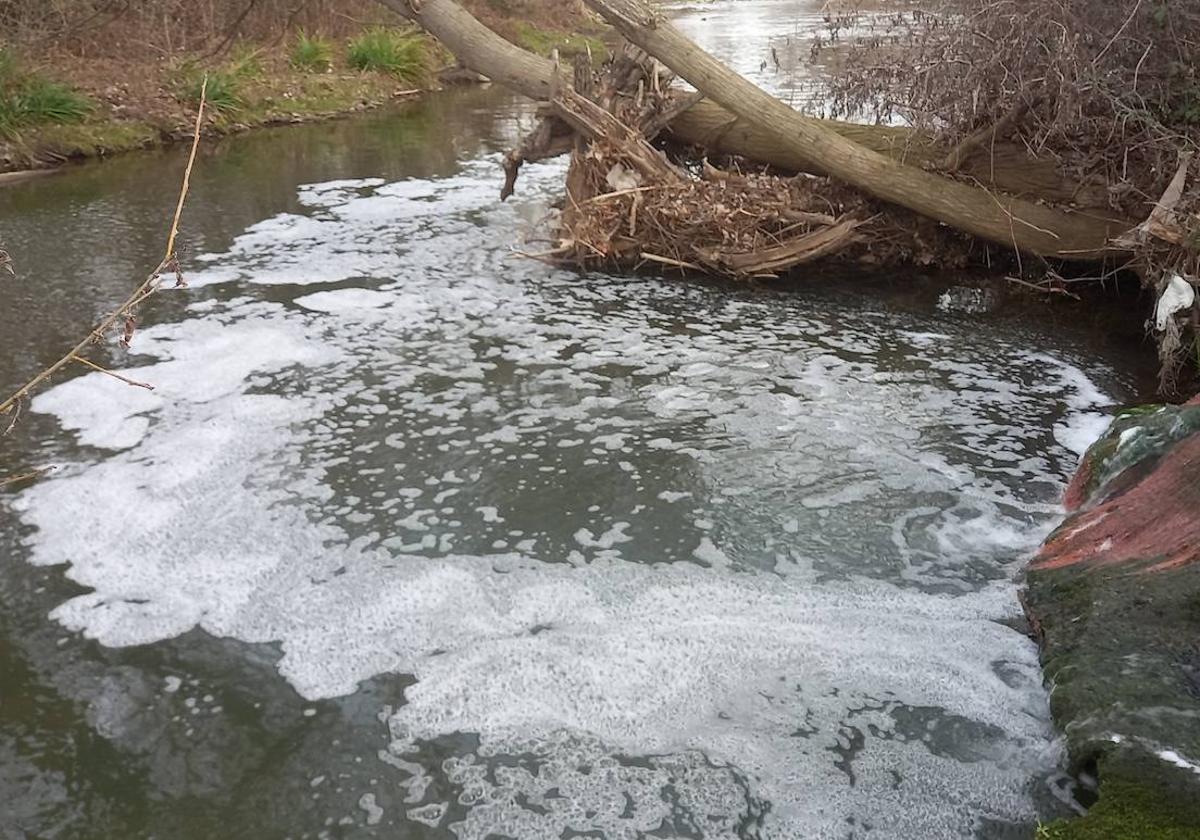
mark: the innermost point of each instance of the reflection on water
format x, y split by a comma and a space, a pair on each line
774, 43
415, 538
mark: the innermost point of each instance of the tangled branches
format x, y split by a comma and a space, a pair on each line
736, 224
1108, 90
722, 222
631, 204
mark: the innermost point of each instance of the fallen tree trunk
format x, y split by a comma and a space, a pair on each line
706, 124
1023, 225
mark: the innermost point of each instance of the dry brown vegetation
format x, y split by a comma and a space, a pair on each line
1107, 90
132, 67
119, 28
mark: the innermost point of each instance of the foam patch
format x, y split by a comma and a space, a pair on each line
657, 554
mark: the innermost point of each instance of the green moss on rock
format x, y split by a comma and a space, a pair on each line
1140, 799
1115, 597
1137, 438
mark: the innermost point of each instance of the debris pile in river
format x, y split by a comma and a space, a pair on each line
996, 187
744, 225
630, 203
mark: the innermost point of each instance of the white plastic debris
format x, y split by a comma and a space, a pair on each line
1178, 295
621, 179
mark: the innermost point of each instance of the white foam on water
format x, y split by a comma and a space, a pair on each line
1087, 420
345, 300
374, 812
206, 360
1081, 431
1172, 757
362, 228
729, 585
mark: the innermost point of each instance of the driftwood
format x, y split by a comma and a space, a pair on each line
624, 211
704, 123
735, 115
1025, 225
628, 204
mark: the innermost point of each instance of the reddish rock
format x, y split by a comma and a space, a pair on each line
1136, 497
1114, 595
1154, 523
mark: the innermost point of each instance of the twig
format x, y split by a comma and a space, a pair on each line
113, 374
632, 191
28, 476
668, 261
187, 173
987, 135
16, 417
75, 354
1119, 33
1049, 290
232, 32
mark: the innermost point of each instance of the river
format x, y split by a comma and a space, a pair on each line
416, 538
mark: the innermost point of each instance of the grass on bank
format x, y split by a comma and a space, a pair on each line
250, 87
405, 55
225, 90
311, 53
1143, 800
545, 41
29, 99
221, 88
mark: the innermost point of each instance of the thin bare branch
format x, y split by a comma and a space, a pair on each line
147, 287
26, 476
135, 383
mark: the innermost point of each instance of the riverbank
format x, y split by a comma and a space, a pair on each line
1113, 598
143, 112
65, 106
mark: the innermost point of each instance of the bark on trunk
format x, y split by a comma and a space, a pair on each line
770, 132
704, 124
1006, 168
1024, 225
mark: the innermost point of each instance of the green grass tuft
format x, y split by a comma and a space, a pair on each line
313, 54
245, 62
28, 99
403, 55
223, 95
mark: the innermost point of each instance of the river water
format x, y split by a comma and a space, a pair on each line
416, 538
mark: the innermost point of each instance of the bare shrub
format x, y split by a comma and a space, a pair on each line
1109, 90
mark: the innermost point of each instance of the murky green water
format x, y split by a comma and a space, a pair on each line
416, 538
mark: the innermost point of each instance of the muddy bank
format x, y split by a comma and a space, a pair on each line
117, 99
1114, 595
140, 112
